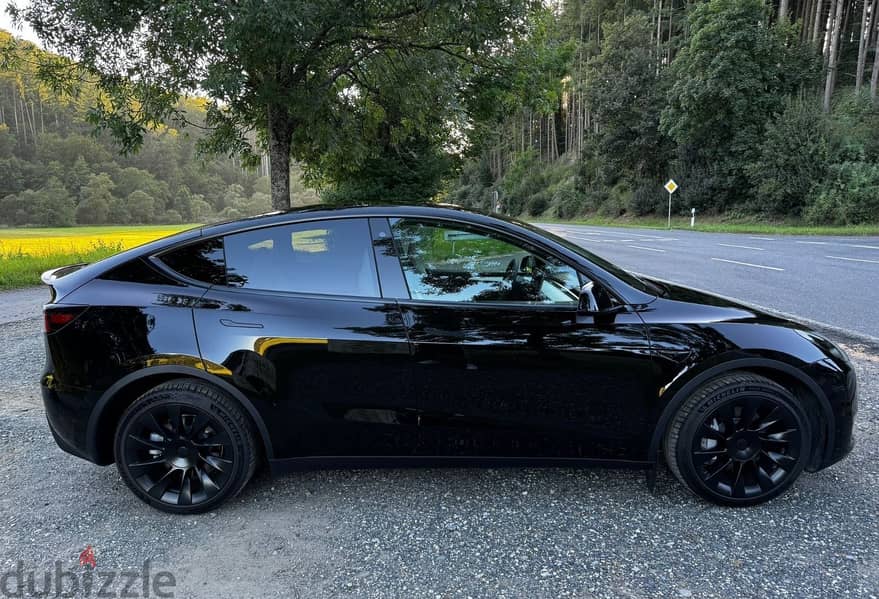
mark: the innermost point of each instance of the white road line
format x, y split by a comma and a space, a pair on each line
853, 259
641, 247
748, 264
763, 238
812, 242
744, 247
866, 247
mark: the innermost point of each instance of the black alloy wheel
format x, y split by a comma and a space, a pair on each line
739, 440
184, 447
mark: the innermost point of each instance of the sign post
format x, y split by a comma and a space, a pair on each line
670, 187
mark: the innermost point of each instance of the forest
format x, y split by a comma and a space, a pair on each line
756, 109
55, 171
563, 109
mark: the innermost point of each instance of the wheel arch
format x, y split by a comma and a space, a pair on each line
125, 391
807, 390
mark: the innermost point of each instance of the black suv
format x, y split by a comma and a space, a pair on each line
402, 335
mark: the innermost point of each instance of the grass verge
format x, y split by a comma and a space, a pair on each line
719, 226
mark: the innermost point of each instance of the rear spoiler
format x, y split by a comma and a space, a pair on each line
50, 276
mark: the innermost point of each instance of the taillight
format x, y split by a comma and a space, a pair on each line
55, 319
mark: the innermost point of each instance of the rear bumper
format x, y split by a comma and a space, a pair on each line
66, 419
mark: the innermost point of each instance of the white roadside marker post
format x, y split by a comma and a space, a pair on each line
692, 217
670, 187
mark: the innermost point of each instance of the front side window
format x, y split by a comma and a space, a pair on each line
450, 263
330, 257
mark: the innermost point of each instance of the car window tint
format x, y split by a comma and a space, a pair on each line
332, 257
202, 261
445, 263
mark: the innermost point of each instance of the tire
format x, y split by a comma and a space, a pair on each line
185, 447
739, 440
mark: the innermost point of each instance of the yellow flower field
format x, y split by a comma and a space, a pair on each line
25, 253
43, 242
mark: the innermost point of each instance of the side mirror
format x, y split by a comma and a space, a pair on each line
588, 301
596, 301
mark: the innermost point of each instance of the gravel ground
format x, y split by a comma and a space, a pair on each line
437, 532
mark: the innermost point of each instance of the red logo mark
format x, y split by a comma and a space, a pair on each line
87, 557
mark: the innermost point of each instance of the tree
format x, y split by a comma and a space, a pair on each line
142, 207
728, 81
833, 58
97, 195
868, 23
624, 90
55, 206
289, 70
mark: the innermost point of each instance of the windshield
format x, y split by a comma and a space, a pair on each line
623, 275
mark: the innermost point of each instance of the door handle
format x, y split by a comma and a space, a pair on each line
243, 325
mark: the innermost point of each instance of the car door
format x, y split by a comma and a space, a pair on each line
503, 363
299, 324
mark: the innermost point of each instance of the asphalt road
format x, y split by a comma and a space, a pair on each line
831, 280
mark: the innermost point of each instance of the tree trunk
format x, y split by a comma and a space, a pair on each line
833, 58
782, 11
280, 129
816, 24
828, 30
874, 80
863, 44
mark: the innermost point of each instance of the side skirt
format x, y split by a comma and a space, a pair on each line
299, 464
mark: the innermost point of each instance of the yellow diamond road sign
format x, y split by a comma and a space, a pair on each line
671, 186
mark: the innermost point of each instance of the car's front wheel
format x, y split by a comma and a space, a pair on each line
185, 447
741, 439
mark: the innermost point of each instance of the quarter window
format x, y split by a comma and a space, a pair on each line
330, 257
448, 263
202, 261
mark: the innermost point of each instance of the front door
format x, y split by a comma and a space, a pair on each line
503, 363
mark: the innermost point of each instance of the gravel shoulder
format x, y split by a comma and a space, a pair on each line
440, 532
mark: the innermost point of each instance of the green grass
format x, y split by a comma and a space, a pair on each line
719, 226
22, 270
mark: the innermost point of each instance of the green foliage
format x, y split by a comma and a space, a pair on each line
624, 89
850, 196
408, 173
726, 84
793, 157
300, 73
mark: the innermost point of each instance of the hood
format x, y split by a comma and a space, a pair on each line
697, 306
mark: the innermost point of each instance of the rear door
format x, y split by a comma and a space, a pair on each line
299, 324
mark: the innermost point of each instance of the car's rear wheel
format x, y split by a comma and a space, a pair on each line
185, 447
741, 439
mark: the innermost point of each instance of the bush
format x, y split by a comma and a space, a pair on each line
538, 203
792, 158
567, 201
850, 196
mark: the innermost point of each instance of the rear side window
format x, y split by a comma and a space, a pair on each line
330, 257
202, 261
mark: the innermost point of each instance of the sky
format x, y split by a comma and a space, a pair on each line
6, 23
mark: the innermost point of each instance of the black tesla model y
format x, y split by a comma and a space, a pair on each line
411, 335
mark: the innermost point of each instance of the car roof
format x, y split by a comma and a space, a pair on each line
320, 211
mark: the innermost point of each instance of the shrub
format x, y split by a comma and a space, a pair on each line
792, 158
849, 197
